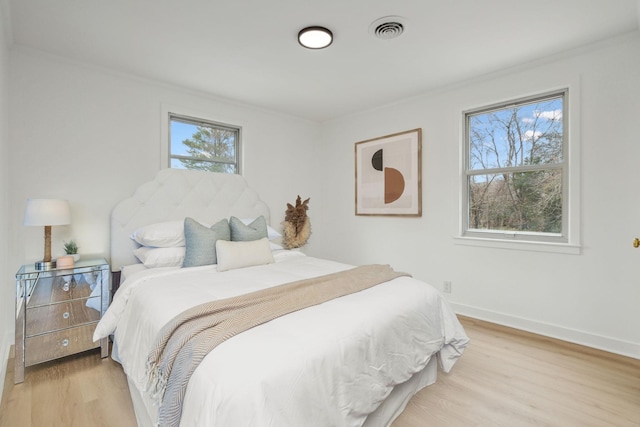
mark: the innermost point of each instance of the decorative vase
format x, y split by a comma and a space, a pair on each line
65, 261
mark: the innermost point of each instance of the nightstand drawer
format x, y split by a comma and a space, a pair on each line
59, 344
63, 315
59, 288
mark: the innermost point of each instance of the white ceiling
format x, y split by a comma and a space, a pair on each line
246, 50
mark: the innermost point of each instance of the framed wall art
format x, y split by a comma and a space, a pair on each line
389, 175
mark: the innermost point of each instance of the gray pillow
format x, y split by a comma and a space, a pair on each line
201, 240
245, 233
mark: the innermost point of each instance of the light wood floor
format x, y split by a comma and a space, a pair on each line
505, 378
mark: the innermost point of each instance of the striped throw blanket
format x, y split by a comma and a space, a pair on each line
184, 342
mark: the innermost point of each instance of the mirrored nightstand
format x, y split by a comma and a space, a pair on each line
57, 311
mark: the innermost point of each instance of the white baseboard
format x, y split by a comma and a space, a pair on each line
599, 342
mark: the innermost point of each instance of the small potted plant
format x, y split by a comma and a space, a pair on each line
71, 248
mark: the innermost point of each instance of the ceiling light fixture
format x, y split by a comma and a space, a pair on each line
315, 37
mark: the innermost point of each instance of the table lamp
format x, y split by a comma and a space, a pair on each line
47, 212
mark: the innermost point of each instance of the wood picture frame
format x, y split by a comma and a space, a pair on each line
388, 175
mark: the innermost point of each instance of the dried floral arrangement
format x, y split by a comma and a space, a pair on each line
296, 225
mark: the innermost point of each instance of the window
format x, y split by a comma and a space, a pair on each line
203, 145
516, 179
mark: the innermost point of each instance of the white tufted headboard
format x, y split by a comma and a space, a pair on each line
175, 194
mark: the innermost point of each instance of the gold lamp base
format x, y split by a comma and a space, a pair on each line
45, 265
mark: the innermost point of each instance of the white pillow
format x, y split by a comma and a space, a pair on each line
275, 246
129, 270
160, 257
161, 235
271, 233
232, 255
171, 233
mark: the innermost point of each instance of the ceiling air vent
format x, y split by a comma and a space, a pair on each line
389, 27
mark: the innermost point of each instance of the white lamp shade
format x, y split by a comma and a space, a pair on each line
44, 212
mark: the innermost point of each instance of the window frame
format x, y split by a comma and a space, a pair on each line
168, 113
568, 240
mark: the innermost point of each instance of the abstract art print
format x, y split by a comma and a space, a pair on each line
388, 175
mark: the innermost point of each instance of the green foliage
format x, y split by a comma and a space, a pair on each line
70, 247
211, 150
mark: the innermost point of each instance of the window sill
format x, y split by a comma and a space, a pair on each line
521, 245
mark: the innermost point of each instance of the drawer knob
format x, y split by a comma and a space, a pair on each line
65, 315
65, 287
65, 342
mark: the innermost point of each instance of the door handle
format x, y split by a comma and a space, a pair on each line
636, 242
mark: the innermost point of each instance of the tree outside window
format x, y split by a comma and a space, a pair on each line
515, 168
202, 145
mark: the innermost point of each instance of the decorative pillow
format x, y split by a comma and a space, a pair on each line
201, 241
232, 255
241, 232
160, 257
161, 235
271, 233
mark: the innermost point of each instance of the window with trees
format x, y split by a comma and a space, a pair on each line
203, 145
516, 183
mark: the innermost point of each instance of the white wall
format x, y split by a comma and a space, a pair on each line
6, 287
590, 298
92, 136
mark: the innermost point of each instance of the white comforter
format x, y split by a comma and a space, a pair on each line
328, 365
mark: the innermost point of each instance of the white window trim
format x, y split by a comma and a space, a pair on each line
166, 110
573, 178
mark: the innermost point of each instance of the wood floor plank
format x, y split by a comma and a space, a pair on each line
512, 378
80, 390
505, 378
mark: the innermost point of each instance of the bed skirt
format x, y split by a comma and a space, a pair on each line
386, 413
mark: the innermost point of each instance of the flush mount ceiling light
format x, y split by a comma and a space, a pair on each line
315, 37
388, 27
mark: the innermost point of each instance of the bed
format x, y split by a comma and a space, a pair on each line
355, 360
